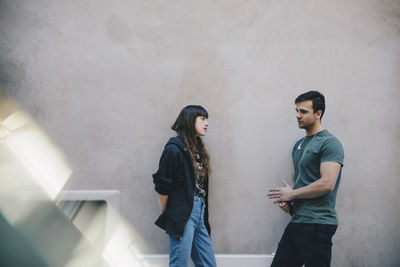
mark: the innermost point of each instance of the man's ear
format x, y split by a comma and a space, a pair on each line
318, 113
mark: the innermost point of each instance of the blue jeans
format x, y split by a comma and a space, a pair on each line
305, 243
195, 243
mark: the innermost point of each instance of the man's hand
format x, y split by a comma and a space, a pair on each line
284, 206
281, 194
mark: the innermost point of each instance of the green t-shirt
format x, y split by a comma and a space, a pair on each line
322, 147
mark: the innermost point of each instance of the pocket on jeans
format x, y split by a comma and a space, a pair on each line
324, 233
328, 229
307, 228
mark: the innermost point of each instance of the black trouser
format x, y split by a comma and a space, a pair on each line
305, 243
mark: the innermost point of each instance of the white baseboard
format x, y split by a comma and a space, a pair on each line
223, 260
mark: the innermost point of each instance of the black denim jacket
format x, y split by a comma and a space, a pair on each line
176, 178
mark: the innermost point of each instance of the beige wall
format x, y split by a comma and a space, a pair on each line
106, 79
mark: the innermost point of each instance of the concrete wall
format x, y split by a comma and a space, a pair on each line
106, 79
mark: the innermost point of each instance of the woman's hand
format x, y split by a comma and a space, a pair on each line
162, 202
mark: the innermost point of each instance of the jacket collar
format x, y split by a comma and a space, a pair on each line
179, 143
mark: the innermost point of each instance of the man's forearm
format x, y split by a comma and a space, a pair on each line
313, 190
162, 202
326, 184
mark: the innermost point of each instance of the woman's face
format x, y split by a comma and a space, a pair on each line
201, 125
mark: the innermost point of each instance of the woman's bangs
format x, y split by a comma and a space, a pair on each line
201, 112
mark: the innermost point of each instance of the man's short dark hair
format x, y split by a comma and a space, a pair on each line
318, 100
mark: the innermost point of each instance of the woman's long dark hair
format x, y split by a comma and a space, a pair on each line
184, 127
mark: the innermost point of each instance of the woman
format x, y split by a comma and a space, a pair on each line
182, 186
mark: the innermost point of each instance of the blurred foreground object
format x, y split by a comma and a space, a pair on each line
33, 171
42, 225
29, 159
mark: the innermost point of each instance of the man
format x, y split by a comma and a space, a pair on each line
317, 161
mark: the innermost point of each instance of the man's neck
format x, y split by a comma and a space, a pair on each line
314, 129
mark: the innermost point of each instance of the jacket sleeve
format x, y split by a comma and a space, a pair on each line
163, 178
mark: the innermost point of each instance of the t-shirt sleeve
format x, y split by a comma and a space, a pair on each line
332, 151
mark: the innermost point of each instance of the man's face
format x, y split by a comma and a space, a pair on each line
305, 116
